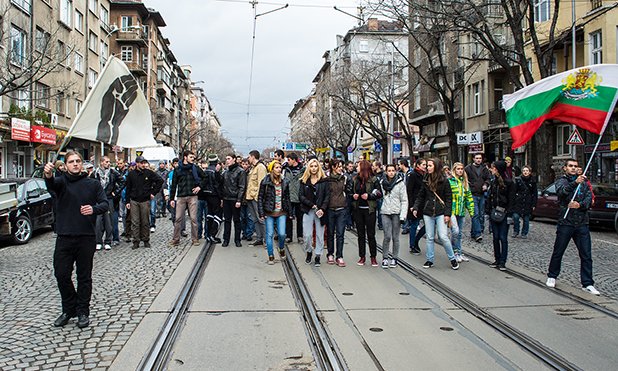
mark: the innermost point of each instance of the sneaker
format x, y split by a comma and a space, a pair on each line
551, 282
195, 242
115, 243
257, 243
216, 240
493, 265
385, 263
374, 262
454, 264
183, 233
147, 244
458, 258
317, 261
405, 231
99, 246
515, 235
502, 267
340, 262
288, 240
271, 260
428, 264
464, 258
107, 247
524, 236
590, 289
478, 239
174, 243
330, 259
152, 229
282, 253
308, 259
393, 263
361, 261
300, 240
416, 250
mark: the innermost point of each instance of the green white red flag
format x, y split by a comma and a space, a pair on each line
584, 97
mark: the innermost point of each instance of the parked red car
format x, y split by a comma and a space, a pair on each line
603, 212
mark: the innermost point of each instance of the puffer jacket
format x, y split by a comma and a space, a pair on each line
314, 195
525, 195
373, 190
565, 188
430, 205
413, 188
293, 175
266, 197
337, 190
234, 183
462, 198
395, 201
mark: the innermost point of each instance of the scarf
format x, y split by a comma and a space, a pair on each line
189, 167
388, 185
103, 175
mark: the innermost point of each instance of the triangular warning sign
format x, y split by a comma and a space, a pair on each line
575, 138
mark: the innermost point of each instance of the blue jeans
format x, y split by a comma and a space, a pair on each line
525, 224
431, 225
478, 220
202, 211
270, 231
414, 236
457, 224
246, 222
336, 225
153, 212
500, 232
581, 237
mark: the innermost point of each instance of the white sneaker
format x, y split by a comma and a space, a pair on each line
99, 246
551, 282
384, 263
464, 258
590, 289
458, 258
107, 247
152, 229
393, 263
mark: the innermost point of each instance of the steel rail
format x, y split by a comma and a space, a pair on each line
157, 356
326, 352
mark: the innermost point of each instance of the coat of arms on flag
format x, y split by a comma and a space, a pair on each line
116, 111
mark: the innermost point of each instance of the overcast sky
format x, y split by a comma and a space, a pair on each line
214, 37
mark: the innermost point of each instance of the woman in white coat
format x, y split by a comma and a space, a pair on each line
394, 210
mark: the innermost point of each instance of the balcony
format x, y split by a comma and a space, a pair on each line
595, 4
496, 67
136, 68
497, 118
132, 36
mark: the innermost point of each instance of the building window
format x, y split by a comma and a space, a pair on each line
41, 42
553, 68
79, 21
476, 98
60, 103
78, 106
104, 15
42, 95
21, 98
417, 97
125, 23
18, 46
92, 77
104, 52
541, 10
563, 132
66, 10
596, 48
93, 5
62, 52
93, 40
363, 46
79, 63
126, 54
25, 5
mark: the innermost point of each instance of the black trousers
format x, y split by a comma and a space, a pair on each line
213, 218
298, 215
366, 221
231, 212
78, 250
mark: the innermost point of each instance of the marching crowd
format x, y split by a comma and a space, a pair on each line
264, 200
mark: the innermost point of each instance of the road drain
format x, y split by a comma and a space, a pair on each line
376, 329
446, 328
404, 293
179, 362
347, 294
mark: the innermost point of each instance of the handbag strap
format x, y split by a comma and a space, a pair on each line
442, 202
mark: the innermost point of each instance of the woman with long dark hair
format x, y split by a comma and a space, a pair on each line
414, 186
314, 200
435, 201
337, 212
366, 191
499, 204
274, 206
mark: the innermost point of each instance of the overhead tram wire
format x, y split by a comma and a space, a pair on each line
290, 5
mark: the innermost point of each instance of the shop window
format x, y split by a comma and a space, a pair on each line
562, 135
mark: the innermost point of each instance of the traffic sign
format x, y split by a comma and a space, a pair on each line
575, 138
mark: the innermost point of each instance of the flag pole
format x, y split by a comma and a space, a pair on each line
611, 110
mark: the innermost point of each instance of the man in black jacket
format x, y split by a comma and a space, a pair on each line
142, 186
478, 179
234, 184
186, 184
79, 200
211, 186
112, 184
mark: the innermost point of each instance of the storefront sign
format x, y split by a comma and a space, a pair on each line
20, 129
41, 134
470, 138
603, 147
475, 148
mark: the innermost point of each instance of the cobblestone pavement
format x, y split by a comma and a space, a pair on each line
534, 253
125, 283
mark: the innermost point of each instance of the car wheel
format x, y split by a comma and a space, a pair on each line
22, 231
616, 222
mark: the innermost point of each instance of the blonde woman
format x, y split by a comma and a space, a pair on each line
314, 199
462, 201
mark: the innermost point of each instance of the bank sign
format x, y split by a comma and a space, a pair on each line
464, 139
41, 134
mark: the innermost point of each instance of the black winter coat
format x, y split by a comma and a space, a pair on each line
266, 197
141, 184
314, 195
565, 188
427, 202
115, 184
413, 188
525, 195
503, 197
234, 183
477, 177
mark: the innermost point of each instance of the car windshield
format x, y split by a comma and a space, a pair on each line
605, 191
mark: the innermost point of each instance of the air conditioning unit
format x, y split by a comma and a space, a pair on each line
53, 119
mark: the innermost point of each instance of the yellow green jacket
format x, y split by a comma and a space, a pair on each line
462, 199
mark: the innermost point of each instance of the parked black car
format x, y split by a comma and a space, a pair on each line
34, 208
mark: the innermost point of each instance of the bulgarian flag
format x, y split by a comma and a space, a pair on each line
584, 97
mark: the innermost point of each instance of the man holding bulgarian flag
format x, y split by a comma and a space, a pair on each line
585, 97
